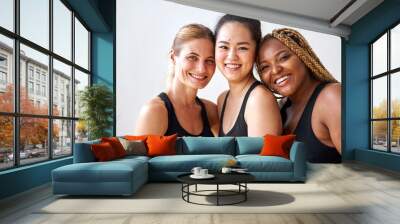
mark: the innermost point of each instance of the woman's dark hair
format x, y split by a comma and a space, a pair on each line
253, 25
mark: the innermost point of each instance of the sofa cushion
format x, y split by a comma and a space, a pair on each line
83, 152
112, 171
134, 147
103, 152
249, 145
161, 145
277, 145
206, 145
116, 145
185, 163
257, 163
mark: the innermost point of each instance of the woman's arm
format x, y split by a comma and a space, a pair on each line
153, 118
212, 113
329, 109
262, 113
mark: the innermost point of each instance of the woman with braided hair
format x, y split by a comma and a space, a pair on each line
311, 108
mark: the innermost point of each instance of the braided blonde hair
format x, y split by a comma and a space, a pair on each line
299, 46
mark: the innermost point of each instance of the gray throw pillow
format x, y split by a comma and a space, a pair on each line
133, 147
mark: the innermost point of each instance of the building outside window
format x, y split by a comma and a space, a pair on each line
34, 75
30, 87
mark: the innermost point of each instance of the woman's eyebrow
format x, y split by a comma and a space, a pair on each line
244, 43
223, 42
194, 53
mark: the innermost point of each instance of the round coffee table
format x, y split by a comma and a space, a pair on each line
238, 179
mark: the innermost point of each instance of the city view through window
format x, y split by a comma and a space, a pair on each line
30, 129
385, 82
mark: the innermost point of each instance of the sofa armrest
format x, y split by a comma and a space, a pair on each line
298, 157
83, 152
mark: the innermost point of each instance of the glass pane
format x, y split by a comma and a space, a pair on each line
33, 139
34, 81
395, 47
395, 136
6, 74
62, 29
6, 142
81, 45
81, 131
62, 138
379, 98
35, 21
395, 94
379, 135
81, 81
62, 89
7, 14
379, 55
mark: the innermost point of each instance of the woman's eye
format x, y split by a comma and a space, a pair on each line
192, 58
264, 68
243, 48
210, 62
284, 57
223, 47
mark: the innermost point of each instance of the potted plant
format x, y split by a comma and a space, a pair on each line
96, 102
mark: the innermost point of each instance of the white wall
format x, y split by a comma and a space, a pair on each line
145, 31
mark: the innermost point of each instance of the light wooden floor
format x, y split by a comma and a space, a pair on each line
377, 188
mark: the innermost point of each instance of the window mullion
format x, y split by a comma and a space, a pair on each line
50, 87
389, 126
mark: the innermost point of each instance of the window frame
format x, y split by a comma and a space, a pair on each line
16, 114
388, 74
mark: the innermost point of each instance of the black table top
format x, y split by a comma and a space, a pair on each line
220, 178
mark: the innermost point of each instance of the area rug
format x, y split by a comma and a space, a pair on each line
167, 198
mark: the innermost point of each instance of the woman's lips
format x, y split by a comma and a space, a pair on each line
281, 81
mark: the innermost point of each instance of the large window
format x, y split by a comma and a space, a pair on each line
44, 64
385, 91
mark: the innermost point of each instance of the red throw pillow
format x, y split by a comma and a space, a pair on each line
277, 145
103, 151
161, 145
116, 145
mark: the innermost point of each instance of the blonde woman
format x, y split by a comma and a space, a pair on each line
178, 109
312, 104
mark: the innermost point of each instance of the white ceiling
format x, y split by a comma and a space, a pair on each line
326, 16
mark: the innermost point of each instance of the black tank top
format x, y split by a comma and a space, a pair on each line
317, 152
240, 126
173, 123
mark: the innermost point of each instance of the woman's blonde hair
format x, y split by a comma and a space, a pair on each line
187, 33
299, 46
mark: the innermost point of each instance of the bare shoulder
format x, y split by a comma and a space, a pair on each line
155, 105
153, 118
330, 94
209, 104
261, 94
221, 97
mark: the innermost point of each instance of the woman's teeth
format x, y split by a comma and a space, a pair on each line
200, 77
232, 66
281, 80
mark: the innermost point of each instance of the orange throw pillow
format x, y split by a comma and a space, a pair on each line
103, 151
116, 145
135, 138
161, 145
277, 145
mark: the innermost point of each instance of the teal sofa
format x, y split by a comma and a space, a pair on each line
125, 176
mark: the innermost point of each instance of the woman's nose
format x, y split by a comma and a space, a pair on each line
232, 53
276, 69
201, 67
